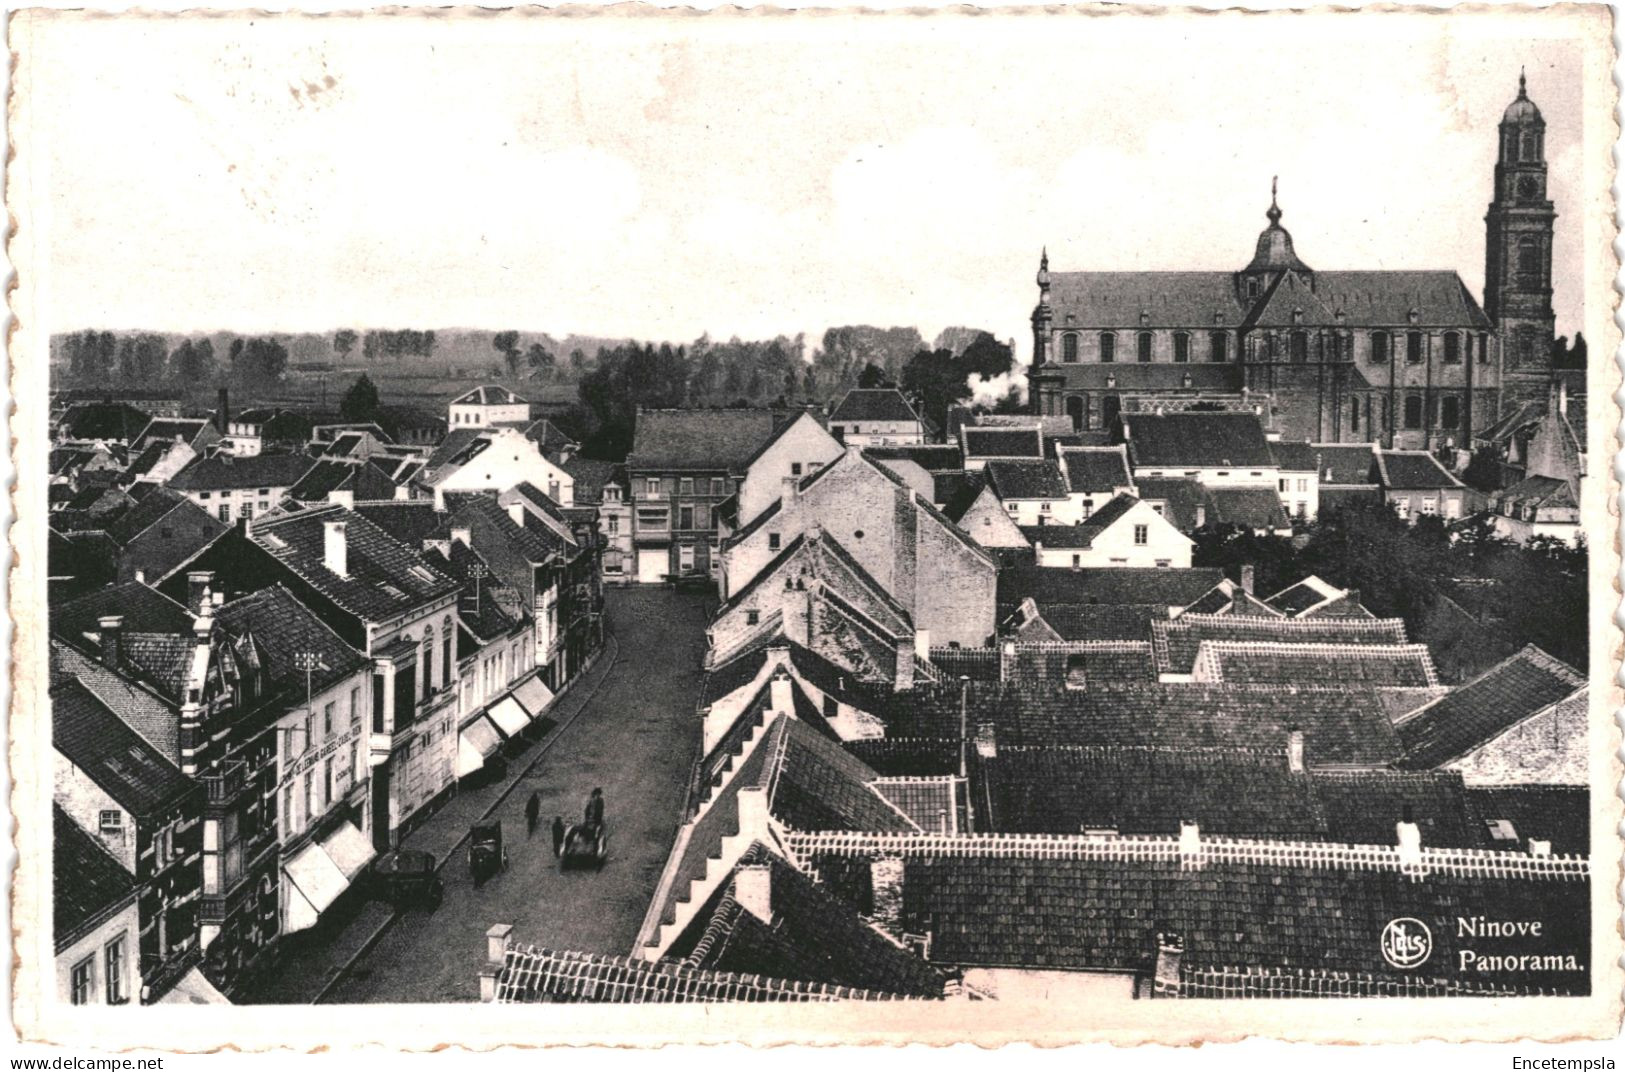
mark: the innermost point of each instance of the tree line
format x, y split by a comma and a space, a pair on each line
145, 359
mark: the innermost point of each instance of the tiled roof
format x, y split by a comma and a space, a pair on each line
1082, 534
1294, 457
1177, 641
1046, 666
1365, 807
1196, 439
1347, 463
589, 476
1538, 491
385, 577
225, 472
411, 521
1486, 707
364, 481
1268, 663
459, 447
818, 556
874, 404
1342, 727
698, 439
1560, 814
909, 757
138, 706
86, 882
815, 784
167, 430
1078, 903
980, 442
1307, 593
1255, 508
1090, 470
1387, 298
1105, 621
1180, 497
543, 975
932, 457
1027, 480
285, 628
814, 937
932, 803
103, 420
1167, 299
1409, 470
1139, 790
1051, 584
549, 436
143, 608
488, 394
111, 754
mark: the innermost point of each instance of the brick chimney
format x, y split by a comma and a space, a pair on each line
780, 697
886, 894
1294, 750
903, 664
1539, 847
1247, 579
987, 741
753, 889
335, 547
1190, 844
402, 492
198, 583
1409, 836
222, 413
1007, 660
1170, 951
112, 630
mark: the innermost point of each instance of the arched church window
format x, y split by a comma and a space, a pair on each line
1300, 347
1452, 348
1354, 414
1218, 346
1144, 344
1413, 347
1529, 261
1381, 347
1525, 347
1069, 348
1108, 346
1413, 411
1483, 348
1528, 150
1182, 347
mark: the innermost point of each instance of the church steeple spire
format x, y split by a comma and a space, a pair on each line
1274, 213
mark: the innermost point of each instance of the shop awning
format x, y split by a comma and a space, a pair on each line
476, 742
314, 882
194, 989
534, 695
349, 850
508, 715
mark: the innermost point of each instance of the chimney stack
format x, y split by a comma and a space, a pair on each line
222, 413
753, 889
1201, 515
402, 492
1190, 845
112, 629
987, 741
1170, 950
497, 940
903, 664
1294, 750
1538, 847
198, 583
780, 696
886, 894
1409, 837
335, 548
1247, 579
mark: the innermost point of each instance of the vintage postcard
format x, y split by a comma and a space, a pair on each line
632, 526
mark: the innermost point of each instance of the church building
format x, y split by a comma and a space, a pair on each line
1406, 359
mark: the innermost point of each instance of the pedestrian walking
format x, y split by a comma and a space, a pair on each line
533, 808
558, 835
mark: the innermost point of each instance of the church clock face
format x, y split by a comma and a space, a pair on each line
1528, 188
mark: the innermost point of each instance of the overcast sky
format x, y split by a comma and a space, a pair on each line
751, 176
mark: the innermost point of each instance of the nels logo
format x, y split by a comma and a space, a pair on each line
1406, 943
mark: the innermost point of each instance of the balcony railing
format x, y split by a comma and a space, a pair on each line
224, 783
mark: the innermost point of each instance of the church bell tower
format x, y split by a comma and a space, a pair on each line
1518, 252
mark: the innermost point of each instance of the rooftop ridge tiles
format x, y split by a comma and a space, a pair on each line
1213, 850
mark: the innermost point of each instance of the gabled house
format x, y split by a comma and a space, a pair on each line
685, 464
95, 919
985, 443
1218, 449
493, 459
198, 433
1299, 481
233, 487
938, 574
267, 429
1415, 485
797, 448
488, 406
342, 482
1547, 501
1126, 532
875, 417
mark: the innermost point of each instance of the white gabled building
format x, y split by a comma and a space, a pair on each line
487, 406
1126, 532
494, 459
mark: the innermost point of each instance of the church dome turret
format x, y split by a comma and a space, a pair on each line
1522, 110
1275, 251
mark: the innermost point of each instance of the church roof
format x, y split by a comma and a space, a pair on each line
1274, 252
1522, 109
1116, 299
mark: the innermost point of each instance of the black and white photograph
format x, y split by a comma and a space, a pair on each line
1039, 525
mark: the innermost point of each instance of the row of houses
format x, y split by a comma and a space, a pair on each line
269, 666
